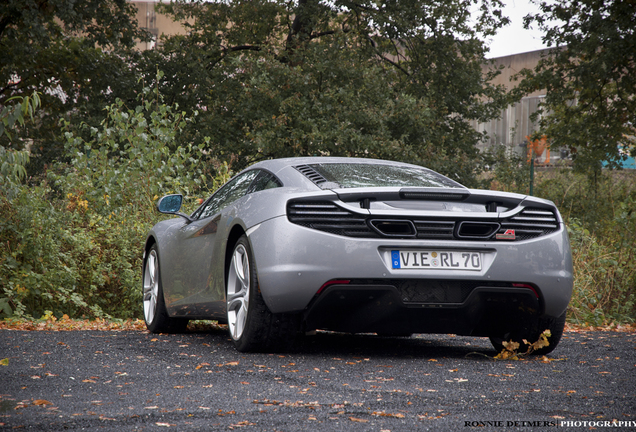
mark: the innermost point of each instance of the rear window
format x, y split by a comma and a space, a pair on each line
354, 175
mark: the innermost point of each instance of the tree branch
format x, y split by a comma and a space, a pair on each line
225, 51
382, 57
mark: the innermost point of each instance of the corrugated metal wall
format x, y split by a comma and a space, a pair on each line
513, 125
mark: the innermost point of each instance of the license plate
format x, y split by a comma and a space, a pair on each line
428, 259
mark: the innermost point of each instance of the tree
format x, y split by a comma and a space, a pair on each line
389, 79
589, 77
76, 54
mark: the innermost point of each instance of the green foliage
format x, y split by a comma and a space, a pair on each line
18, 112
77, 54
589, 78
72, 242
605, 276
600, 213
398, 80
12, 163
508, 171
601, 218
594, 201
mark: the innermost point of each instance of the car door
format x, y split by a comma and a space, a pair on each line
190, 278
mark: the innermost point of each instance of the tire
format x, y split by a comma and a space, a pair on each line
532, 333
252, 327
155, 313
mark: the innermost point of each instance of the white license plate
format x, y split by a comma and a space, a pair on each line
428, 259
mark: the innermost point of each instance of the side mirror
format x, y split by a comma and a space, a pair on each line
171, 204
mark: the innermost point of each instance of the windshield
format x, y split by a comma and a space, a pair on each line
353, 175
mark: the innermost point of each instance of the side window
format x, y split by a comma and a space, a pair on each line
263, 181
233, 190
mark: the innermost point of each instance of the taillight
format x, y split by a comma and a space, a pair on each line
522, 285
333, 282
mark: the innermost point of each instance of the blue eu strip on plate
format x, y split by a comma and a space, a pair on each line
395, 259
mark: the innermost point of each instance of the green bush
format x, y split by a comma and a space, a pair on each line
507, 171
72, 241
604, 278
600, 213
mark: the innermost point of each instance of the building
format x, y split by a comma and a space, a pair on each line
515, 124
154, 22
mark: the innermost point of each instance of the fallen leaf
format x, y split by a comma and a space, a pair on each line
359, 420
4, 362
385, 414
41, 402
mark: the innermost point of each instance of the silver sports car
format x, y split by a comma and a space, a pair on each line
289, 246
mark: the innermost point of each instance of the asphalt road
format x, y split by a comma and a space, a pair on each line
131, 380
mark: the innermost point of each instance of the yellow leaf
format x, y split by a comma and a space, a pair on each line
4, 362
511, 346
506, 355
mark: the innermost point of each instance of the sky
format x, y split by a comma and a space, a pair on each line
514, 39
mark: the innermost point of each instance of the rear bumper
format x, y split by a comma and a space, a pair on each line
293, 262
368, 308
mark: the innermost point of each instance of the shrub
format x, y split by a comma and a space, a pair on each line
600, 213
72, 241
604, 278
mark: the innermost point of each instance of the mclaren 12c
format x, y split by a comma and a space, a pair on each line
289, 246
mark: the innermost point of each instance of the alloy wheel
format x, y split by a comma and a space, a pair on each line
238, 291
151, 287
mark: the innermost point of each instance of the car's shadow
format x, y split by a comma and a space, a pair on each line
420, 346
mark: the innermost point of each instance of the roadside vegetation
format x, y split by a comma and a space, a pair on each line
600, 214
72, 237
92, 131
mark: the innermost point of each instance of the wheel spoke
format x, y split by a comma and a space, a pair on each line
241, 318
150, 287
238, 291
